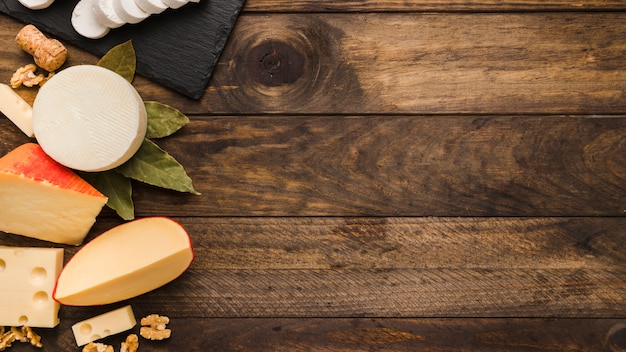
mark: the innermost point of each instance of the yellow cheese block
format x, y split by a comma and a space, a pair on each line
104, 325
27, 277
125, 261
43, 199
89, 118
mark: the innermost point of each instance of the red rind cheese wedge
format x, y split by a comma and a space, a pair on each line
43, 199
124, 262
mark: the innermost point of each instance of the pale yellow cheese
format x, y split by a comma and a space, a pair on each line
27, 278
16, 109
104, 325
43, 199
89, 118
126, 261
43, 211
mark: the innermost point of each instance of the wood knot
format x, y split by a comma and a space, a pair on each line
616, 338
275, 63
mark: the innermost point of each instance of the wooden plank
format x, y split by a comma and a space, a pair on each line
320, 243
400, 166
423, 63
429, 5
393, 267
354, 334
404, 63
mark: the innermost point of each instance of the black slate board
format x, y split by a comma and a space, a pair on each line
177, 48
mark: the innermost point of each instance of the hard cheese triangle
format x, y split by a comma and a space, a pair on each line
43, 199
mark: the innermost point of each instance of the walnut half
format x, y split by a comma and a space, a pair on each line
131, 344
153, 327
97, 347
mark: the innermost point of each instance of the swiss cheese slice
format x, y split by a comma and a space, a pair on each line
103, 325
43, 199
125, 261
27, 277
89, 118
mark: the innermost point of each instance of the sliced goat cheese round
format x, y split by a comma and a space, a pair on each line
152, 6
175, 4
36, 4
89, 118
128, 11
105, 13
85, 22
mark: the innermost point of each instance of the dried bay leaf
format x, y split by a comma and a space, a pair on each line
163, 120
154, 166
121, 59
117, 188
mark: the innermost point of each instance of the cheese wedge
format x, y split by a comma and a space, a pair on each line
89, 118
16, 109
124, 262
41, 198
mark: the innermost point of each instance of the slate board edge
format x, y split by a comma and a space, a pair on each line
195, 92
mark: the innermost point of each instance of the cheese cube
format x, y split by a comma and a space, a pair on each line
27, 278
104, 325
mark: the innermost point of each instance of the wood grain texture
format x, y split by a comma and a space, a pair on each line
409, 63
392, 267
400, 166
393, 166
274, 6
423, 63
398, 176
360, 334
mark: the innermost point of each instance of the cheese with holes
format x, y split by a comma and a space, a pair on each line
124, 262
27, 277
16, 109
43, 199
104, 325
89, 118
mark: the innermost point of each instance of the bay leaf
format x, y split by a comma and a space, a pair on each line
154, 166
117, 188
121, 59
163, 120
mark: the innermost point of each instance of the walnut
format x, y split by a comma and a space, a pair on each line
154, 327
32, 337
23, 334
26, 76
6, 339
131, 344
97, 347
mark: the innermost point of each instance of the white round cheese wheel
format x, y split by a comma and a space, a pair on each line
85, 23
89, 118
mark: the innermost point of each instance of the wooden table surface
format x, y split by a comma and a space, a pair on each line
391, 175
